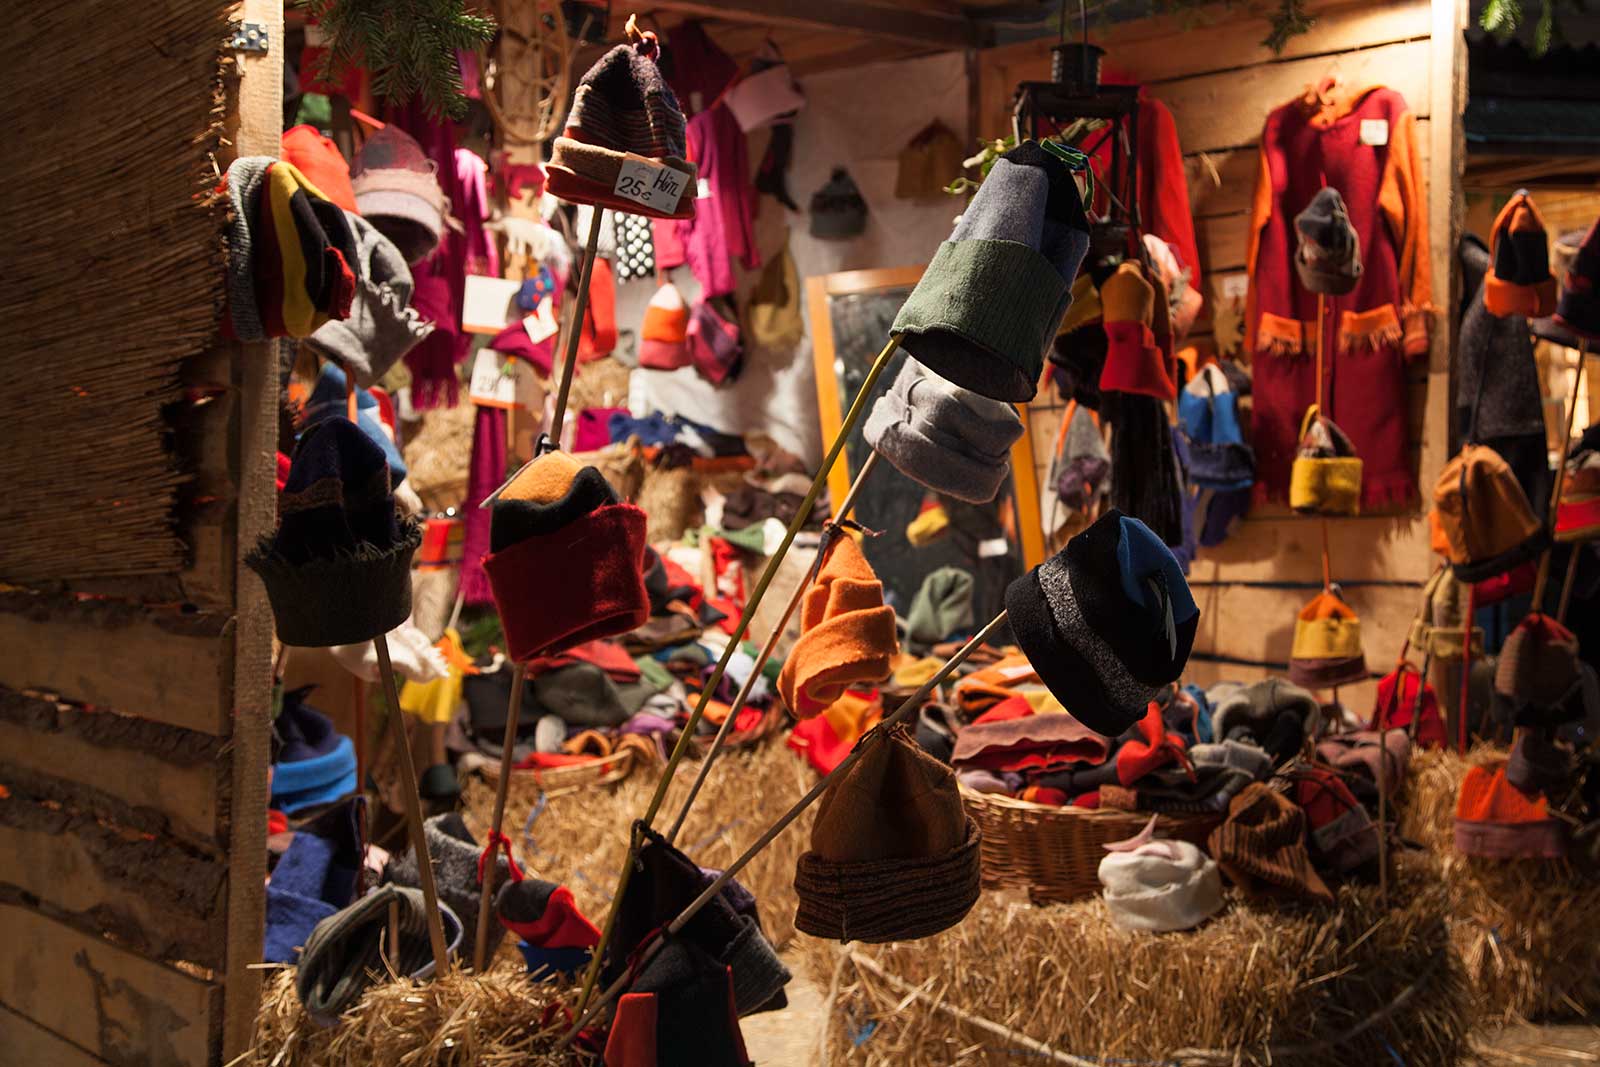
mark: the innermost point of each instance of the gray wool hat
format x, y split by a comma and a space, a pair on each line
989, 304
455, 870
245, 175
940, 435
381, 326
345, 953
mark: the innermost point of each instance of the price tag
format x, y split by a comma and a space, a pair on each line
492, 384
542, 323
645, 183
994, 546
1375, 131
702, 188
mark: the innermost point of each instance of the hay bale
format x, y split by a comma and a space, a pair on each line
1360, 983
1525, 930
439, 455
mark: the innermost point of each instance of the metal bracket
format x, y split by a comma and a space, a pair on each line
248, 37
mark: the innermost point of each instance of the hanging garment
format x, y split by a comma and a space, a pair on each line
1363, 143
723, 227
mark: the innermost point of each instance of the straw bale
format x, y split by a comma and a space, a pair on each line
439, 455
1261, 983
113, 277
600, 383
670, 497
1526, 931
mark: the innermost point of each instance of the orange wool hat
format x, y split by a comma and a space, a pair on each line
1519, 282
847, 632
1497, 821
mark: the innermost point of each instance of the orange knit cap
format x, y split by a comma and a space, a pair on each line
1486, 796
847, 633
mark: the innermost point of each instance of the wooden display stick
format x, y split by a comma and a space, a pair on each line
857, 409
1561, 474
707, 895
413, 803
743, 695
569, 358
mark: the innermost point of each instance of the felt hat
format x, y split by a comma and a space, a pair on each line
320, 160
1540, 764
847, 633
555, 938
1208, 411
245, 177
1327, 644
1077, 359
314, 764
1406, 701
1328, 257
382, 326
1159, 885
932, 522
944, 437
397, 190
580, 694
942, 606
1496, 820
1080, 471
349, 950
989, 304
1342, 838
1579, 307
1012, 736
678, 1009
314, 878
566, 560
1325, 478
763, 96
1368, 759
1519, 282
1134, 362
1488, 525
1538, 665
455, 855
1261, 846
930, 161
894, 855
713, 341
1273, 714
1107, 622
1149, 747
1578, 508
329, 399
623, 109
772, 316
838, 211
338, 568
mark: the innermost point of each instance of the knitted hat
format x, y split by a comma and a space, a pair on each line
894, 855
1134, 364
763, 96
679, 1009
837, 210
1328, 258
1485, 517
1325, 478
454, 853
989, 304
315, 764
1273, 714
1540, 764
713, 341
349, 951
1107, 621
1578, 509
329, 399
1159, 885
942, 436
623, 110
338, 568
245, 177
1495, 820
397, 190
1342, 837
381, 326
320, 160
847, 633
1520, 283
1261, 846
1538, 666
1327, 644
1579, 307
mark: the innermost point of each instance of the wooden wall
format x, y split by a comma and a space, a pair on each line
1220, 83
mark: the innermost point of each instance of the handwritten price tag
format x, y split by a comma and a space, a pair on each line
492, 384
542, 323
659, 188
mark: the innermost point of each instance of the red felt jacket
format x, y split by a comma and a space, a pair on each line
1363, 143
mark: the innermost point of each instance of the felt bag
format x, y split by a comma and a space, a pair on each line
1326, 476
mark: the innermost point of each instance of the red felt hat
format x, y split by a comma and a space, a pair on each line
1154, 748
1134, 364
320, 160
584, 581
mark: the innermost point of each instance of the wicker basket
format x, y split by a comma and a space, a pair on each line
602, 770
1054, 853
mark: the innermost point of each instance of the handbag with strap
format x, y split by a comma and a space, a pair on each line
1326, 476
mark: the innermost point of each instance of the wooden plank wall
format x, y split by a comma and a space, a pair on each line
1220, 83
133, 736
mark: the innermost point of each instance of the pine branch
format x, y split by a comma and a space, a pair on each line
409, 46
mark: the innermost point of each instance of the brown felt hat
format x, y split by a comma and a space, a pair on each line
894, 855
1538, 663
1488, 525
1261, 846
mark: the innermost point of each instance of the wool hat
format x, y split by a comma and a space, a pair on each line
348, 951
543, 914
1578, 508
847, 633
338, 568
763, 96
678, 1009
1107, 621
1273, 714
1538, 665
942, 606
623, 111
713, 341
1368, 759
245, 176
1159, 885
1341, 835
1485, 517
930, 161
838, 211
1496, 820
1520, 281
1540, 764
397, 190
1328, 257
1327, 644
1261, 846
1579, 307
894, 855
1405, 701
1219, 458
329, 399
1325, 478
455, 856
989, 304
1080, 470
943, 436
320, 160
315, 877
1134, 362
1077, 359
382, 326
314, 764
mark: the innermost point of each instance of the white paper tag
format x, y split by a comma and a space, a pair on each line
1374, 131
645, 183
702, 188
994, 546
488, 305
492, 384
542, 323
1235, 286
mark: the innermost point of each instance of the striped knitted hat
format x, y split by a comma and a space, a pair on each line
1261, 846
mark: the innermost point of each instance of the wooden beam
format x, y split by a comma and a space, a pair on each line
1445, 141
912, 27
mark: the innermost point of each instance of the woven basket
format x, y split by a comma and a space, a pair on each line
602, 770
1054, 853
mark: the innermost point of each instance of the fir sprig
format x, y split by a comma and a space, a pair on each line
1503, 17
409, 46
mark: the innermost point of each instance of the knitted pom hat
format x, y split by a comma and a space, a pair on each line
320, 160
1496, 820
349, 950
942, 436
1134, 363
1327, 644
837, 210
662, 338
1520, 283
1579, 307
382, 326
847, 633
991, 301
1328, 258
397, 190
1261, 846
1159, 885
338, 568
1107, 621
1488, 525
894, 855
623, 109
